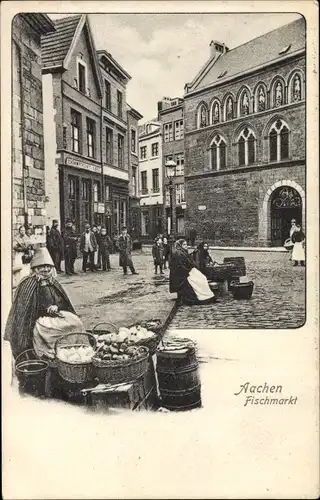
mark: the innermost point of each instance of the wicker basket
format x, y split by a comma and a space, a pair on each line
103, 331
75, 373
151, 342
118, 372
242, 291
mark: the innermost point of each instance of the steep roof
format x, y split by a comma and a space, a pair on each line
265, 49
55, 46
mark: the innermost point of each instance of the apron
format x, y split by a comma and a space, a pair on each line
199, 284
298, 252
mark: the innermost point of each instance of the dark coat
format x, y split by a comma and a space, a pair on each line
28, 305
105, 243
55, 240
157, 254
70, 242
180, 267
297, 237
93, 241
125, 248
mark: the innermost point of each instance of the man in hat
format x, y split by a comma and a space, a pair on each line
88, 245
56, 245
125, 249
70, 248
39, 297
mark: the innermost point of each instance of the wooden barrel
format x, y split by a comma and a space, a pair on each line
178, 379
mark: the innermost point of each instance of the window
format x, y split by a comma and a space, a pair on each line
96, 192
218, 153
109, 146
144, 183
178, 130
180, 194
155, 180
120, 151
107, 90
91, 137
82, 77
246, 147
86, 199
119, 103
133, 141
180, 164
155, 149
168, 132
73, 185
143, 152
279, 141
107, 192
75, 131
134, 182
123, 213
116, 210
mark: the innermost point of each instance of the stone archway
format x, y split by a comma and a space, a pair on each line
267, 215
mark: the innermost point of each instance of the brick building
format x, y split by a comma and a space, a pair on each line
151, 179
170, 113
28, 161
73, 83
245, 140
134, 223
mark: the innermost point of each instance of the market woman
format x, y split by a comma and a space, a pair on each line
203, 259
41, 311
298, 240
186, 280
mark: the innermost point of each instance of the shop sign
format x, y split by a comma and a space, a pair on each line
72, 162
98, 208
202, 207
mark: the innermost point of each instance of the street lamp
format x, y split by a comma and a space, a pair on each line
171, 173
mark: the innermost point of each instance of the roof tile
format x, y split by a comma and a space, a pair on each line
55, 46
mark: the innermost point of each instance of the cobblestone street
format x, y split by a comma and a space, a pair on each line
278, 299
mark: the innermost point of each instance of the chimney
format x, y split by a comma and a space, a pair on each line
217, 48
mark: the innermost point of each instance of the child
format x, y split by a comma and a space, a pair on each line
105, 245
157, 254
298, 239
166, 251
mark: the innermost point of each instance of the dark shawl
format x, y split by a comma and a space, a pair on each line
180, 266
25, 310
201, 257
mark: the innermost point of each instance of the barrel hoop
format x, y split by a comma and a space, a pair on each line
197, 404
179, 391
178, 371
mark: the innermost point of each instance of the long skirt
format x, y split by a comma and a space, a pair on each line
298, 253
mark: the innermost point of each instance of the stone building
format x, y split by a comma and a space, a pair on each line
245, 140
28, 161
151, 180
134, 223
170, 113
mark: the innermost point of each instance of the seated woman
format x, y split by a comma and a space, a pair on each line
41, 311
203, 259
186, 280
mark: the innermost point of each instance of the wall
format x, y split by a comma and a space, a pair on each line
148, 165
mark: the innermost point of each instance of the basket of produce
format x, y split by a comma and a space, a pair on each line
74, 353
241, 291
117, 363
147, 333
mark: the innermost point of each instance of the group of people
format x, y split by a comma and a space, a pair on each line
297, 238
94, 244
160, 253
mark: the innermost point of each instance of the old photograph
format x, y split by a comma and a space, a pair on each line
158, 197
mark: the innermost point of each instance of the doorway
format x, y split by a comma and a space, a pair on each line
286, 204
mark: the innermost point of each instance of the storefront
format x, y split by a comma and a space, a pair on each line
116, 202
80, 193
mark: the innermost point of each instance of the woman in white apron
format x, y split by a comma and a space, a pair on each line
298, 252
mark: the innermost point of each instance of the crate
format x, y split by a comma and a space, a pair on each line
239, 266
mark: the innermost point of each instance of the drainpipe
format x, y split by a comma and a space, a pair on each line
101, 160
23, 139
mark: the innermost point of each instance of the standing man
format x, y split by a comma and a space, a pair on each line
88, 245
105, 245
56, 245
125, 248
98, 235
193, 235
70, 248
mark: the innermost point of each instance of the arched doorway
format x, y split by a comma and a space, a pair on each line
286, 204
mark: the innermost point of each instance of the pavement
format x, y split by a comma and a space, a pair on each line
278, 299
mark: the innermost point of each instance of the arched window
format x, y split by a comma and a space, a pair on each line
278, 94
246, 147
202, 118
279, 141
244, 103
215, 113
229, 109
218, 153
261, 99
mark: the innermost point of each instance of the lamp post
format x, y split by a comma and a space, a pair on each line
171, 173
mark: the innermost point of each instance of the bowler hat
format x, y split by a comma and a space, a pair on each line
41, 258
55, 221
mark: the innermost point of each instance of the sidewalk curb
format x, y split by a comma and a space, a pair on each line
169, 319
240, 249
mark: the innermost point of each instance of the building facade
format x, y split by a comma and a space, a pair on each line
245, 140
171, 113
151, 180
28, 160
134, 223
